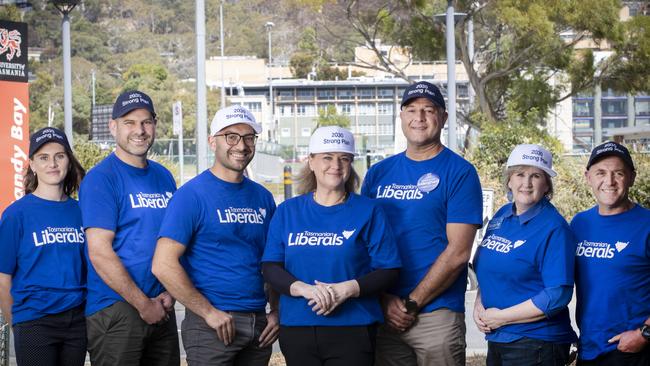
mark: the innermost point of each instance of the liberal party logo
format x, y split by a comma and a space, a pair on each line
592, 249
500, 244
58, 235
10, 43
150, 200
241, 215
399, 192
319, 238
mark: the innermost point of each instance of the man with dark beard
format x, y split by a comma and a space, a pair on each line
210, 247
130, 316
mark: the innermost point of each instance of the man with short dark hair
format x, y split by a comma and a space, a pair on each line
612, 265
130, 316
210, 247
433, 200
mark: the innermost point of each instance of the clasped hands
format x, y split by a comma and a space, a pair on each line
325, 297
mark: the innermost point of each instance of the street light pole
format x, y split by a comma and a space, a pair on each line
269, 26
223, 76
65, 7
452, 142
201, 99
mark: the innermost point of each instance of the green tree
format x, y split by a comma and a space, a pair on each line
329, 116
10, 12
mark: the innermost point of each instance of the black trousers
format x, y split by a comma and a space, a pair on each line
328, 346
618, 358
53, 340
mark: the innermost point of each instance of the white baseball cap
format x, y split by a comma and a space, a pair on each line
231, 116
331, 139
532, 155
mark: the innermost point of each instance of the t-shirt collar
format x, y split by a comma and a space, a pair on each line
530, 213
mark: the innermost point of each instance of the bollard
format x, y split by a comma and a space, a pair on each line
287, 182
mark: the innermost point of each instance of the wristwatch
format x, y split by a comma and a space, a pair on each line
645, 331
411, 306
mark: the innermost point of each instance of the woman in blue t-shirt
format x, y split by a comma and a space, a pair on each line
524, 267
42, 270
329, 253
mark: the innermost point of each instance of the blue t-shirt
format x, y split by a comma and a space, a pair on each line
420, 199
330, 244
612, 276
41, 247
131, 202
223, 226
519, 257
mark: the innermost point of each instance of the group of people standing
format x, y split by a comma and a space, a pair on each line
340, 278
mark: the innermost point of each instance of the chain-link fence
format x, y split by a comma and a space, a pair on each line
4, 342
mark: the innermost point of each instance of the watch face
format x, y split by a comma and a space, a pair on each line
645, 331
411, 306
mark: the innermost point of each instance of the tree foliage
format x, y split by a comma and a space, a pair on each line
329, 116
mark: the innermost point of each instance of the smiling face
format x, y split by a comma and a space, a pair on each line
231, 161
50, 164
610, 181
134, 134
422, 122
528, 186
331, 170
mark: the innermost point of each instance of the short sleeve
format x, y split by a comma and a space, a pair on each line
366, 187
465, 201
98, 202
556, 259
10, 237
382, 246
274, 249
181, 217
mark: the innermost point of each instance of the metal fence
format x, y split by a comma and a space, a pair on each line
4, 342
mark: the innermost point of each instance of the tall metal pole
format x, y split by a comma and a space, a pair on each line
223, 76
67, 79
201, 101
269, 26
470, 52
452, 142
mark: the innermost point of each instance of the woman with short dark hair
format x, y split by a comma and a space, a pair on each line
42, 266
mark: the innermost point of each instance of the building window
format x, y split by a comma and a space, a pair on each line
305, 132
616, 107
286, 94
253, 106
286, 110
582, 124
345, 93
386, 93
366, 109
326, 94
366, 93
385, 108
285, 132
305, 110
462, 90
642, 107
583, 108
305, 94
346, 109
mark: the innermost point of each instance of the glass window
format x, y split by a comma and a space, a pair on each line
305, 110
582, 124
386, 92
285, 132
385, 108
346, 109
583, 108
642, 107
345, 93
643, 121
305, 94
286, 94
305, 132
462, 90
286, 110
325, 93
366, 109
253, 106
614, 123
615, 107
366, 93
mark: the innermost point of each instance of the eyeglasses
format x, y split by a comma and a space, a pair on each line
232, 138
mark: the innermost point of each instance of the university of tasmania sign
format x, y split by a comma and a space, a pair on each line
14, 111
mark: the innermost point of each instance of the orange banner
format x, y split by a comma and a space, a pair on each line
14, 140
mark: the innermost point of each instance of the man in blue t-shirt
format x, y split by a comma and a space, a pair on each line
210, 247
130, 316
433, 201
612, 265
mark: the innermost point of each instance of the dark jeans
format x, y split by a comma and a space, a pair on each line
618, 358
53, 340
204, 348
328, 346
118, 336
528, 352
